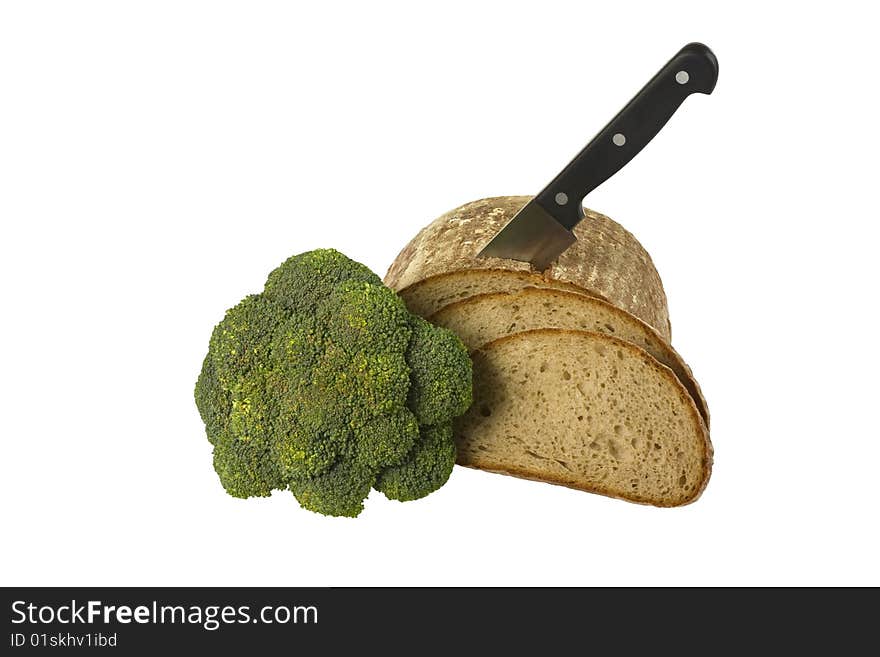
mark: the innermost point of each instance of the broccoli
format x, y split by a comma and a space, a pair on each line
326, 385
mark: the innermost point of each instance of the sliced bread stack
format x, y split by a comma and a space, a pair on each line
575, 380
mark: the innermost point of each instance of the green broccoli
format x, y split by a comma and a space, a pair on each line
326, 385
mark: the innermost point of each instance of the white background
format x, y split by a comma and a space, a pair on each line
158, 159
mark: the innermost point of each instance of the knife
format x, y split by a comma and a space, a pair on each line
541, 231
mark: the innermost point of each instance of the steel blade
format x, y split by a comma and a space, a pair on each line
533, 235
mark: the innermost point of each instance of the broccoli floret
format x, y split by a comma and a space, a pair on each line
425, 469
339, 492
326, 385
438, 362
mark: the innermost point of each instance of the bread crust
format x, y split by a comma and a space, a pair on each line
607, 260
708, 451
682, 370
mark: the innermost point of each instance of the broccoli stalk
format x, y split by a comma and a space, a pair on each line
326, 385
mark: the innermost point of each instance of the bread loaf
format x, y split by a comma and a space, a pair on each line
606, 261
588, 411
486, 317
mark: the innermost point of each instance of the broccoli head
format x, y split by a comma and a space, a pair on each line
326, 385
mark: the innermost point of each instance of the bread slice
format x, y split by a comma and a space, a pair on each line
435, 292
588, 411
607, 260
486, 317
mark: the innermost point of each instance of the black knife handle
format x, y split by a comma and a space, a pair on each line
693, 70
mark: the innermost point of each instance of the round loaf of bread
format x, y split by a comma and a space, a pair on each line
607, 261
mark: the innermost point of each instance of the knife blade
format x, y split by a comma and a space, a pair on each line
542, 230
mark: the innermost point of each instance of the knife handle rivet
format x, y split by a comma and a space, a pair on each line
682, 77
561, 198
619, 139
